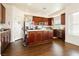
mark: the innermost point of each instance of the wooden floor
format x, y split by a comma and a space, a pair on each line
56, 48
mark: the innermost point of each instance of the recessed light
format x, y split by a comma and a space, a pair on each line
44, 8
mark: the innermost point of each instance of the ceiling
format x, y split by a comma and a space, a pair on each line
40, 9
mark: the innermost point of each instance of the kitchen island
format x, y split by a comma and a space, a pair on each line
37, 37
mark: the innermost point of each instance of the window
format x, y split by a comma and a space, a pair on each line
75, 24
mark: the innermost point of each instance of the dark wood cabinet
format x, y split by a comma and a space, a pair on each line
2, 13
5, 39
50, 21
45, 21
0, 42
50, 34
59, 34
31, 37
55, 32
63, 19
45, 33
39, 37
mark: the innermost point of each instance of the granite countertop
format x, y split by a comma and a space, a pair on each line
26, 32
3, 30
38, 30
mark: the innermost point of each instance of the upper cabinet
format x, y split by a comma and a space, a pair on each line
42, 20
2, 13
63, 19
50, 20
59, 20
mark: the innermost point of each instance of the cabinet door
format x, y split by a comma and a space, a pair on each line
5, 40
45, 20
63, 35
31, 37
3, 45
50, 34
2, 14
49, 21
0, 40
35, 20
63, 19
55, 32
7, 37
38, 36
45, 35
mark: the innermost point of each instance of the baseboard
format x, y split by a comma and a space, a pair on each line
16, 40
19, 39
72, 43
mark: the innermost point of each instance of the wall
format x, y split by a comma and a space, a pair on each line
8, 17
14, 21
17, 24
71, 38
57, 20
71, 8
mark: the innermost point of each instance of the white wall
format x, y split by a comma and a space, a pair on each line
71, 8
57, 20
71, 38
14, 21
8, 17
17, 24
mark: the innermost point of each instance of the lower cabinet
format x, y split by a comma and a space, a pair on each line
5, 39
31, 38
59, 34
39, 37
